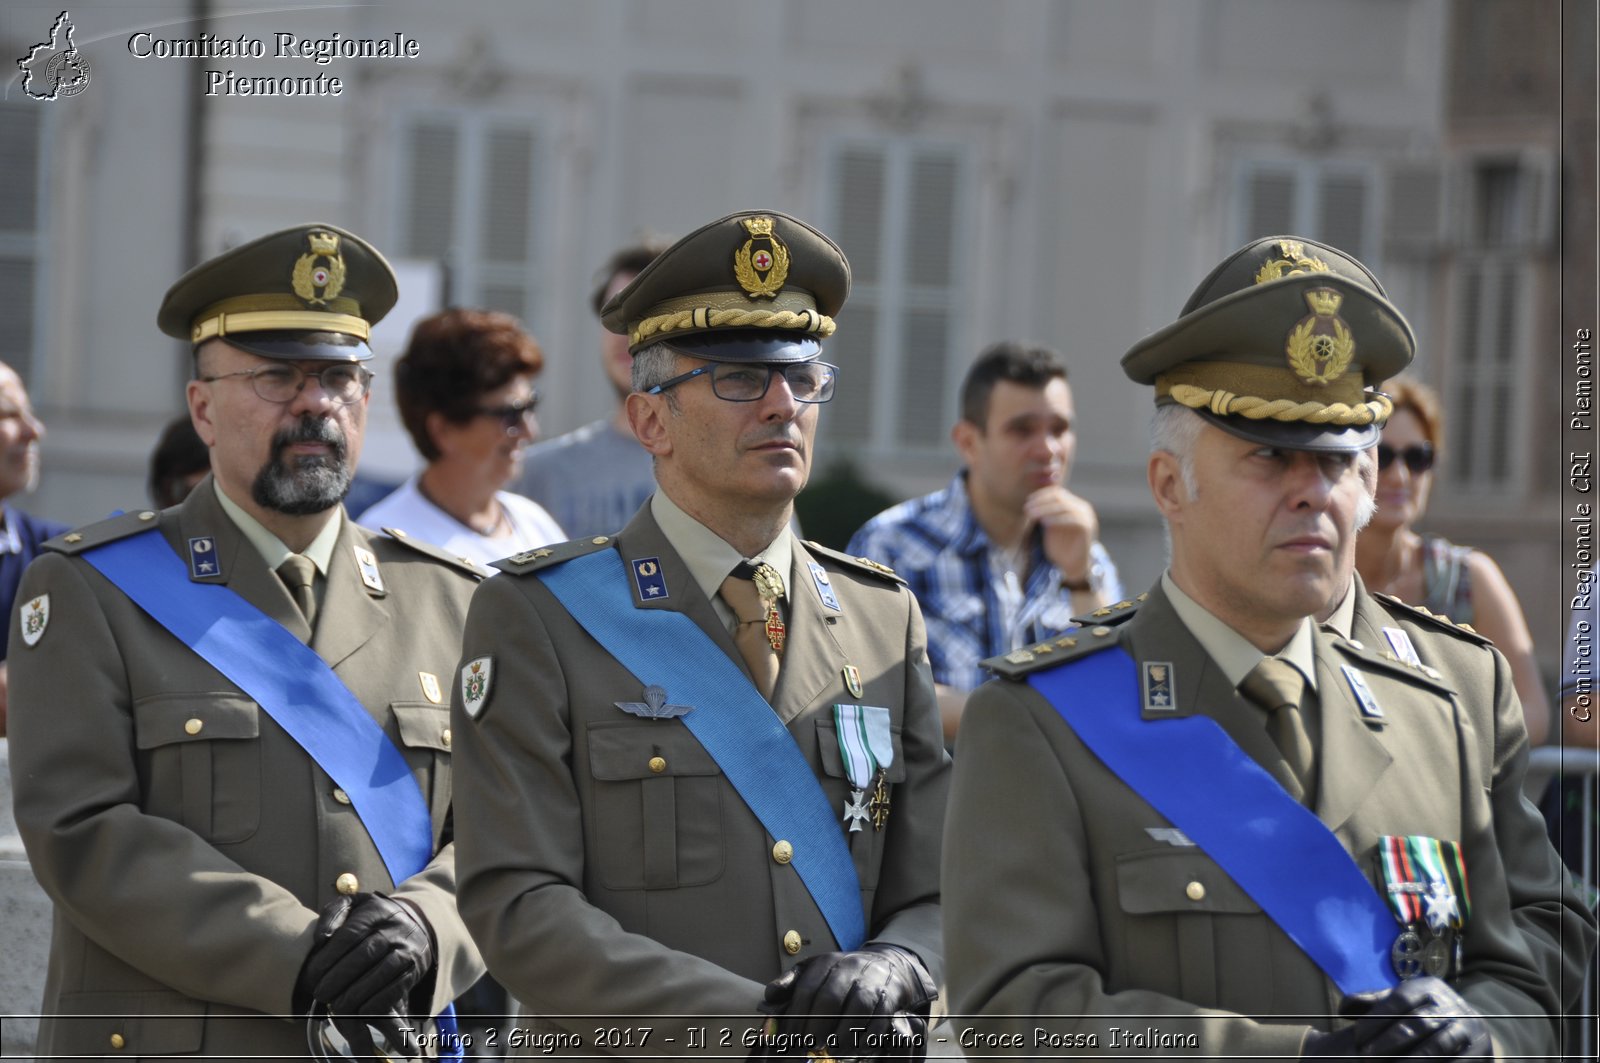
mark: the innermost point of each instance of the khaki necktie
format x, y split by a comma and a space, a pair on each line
760, 633
1277, 686
299, 574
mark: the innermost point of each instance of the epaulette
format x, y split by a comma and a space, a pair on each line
861, 564
1070, 645
1112, 614
466, 564
1437, 621
101, 532
533, 560
1385, 659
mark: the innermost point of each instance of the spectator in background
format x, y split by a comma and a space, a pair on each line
1455, 581
20, 534
1006, 554
466, 395
594, 478
179, 462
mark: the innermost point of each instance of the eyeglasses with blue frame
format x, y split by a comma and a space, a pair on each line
749, 381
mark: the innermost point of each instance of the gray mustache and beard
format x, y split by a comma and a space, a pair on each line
304, 485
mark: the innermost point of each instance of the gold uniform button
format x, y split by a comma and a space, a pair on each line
147, 515
1100, 632
658, 764
193, 726
117, 1041
791, 942
1195, 891
340, 796
444, 736
783, 852
347, 884
600, 540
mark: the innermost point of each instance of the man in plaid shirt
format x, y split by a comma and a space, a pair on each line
1005, 555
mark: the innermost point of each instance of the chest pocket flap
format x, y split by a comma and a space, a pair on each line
167, 719
1168, 881
422, 726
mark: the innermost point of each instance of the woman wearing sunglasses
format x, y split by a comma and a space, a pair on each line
466, 395
1457, 581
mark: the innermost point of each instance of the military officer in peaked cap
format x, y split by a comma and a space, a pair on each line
1264, 839
230, 734
702, 782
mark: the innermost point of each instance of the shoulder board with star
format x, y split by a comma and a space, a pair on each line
1436, 621
545, 556
101, 532
466, 564
1070, 645
1382, 658
1112, 615
857, 564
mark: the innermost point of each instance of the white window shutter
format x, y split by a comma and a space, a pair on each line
1269, 207
432, 151
860, 178
19, 220
1415, 213
1342, 213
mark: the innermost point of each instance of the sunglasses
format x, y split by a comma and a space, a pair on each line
1418, 457
513, 415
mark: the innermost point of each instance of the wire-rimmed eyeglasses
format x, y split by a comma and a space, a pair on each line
342, 382
749, 381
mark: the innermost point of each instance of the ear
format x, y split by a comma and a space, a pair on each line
647, 415
966, 436
201, 411
1166, 484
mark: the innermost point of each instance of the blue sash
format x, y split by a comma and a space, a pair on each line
1276, 849
730, 719
295, 687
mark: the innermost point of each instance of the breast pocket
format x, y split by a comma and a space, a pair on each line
424, 731
657, 807
202, 762
866, 844
1182, 925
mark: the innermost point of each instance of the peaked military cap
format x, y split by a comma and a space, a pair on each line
1285, 343
309, 292
756, 286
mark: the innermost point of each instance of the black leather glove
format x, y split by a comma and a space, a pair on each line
872, 1003
1420, 1018
371, 951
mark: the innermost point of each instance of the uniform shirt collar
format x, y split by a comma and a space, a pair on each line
708, 556
270, 547
1343, 619
1234, 653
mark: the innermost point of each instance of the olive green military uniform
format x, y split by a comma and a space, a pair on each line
1088, 917
607, 864
187, 841
1560, 928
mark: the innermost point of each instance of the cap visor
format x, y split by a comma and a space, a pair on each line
749, 345
288, 346
1297, 435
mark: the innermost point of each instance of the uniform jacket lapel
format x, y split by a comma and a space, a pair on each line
1351, 752
812, 657
1156, 634
350, 614
240, 566
643, 539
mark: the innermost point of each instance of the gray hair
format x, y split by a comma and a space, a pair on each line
652, 365
1175, 430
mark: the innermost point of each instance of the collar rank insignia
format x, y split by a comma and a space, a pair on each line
1158, 695
647, 577
654, 706
203, 563
1400, 642
367, 562
1169, 836
1358, 686
819, 576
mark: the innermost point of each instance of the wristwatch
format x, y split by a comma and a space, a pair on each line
1095, 578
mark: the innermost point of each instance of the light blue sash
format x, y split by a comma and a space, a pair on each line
729, 718
1276, 849
292, 685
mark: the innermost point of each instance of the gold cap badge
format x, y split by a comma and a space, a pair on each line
761, 265
1320, 345
310, 277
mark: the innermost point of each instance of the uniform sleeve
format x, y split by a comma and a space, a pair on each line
520, 848
1558, 928
433, 891
906, 906
1024, 950
147, 889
